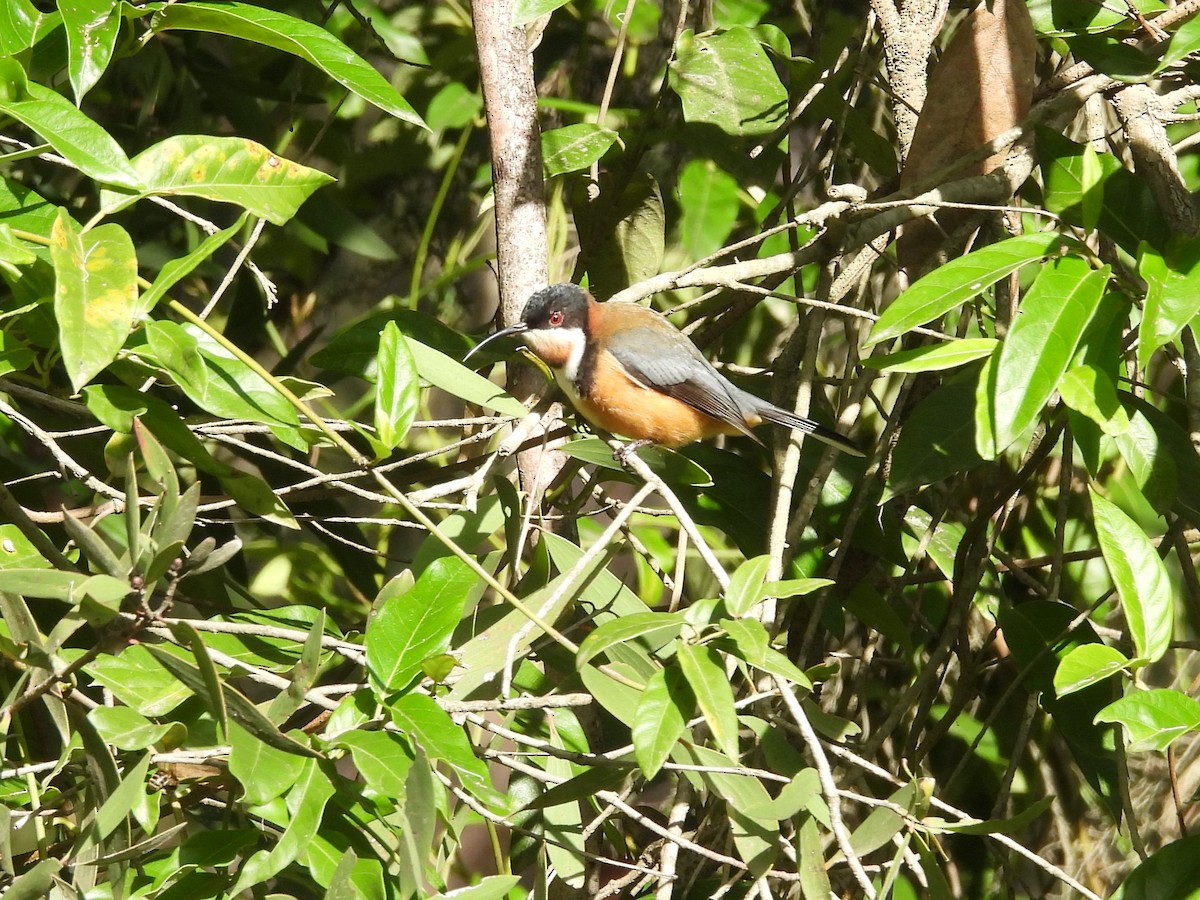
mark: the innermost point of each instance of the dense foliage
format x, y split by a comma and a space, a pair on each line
280, 615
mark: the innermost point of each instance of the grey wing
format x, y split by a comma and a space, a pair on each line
678, 370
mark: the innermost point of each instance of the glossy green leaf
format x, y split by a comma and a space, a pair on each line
127, 729
91, 27
934, 357
938, 440
1170, 873
491, 887
1141, 579
397, 392
526, 11
1040, 345
95, 289
305, 803
117, 806
421, 720
18, 24
216, 380
1172, 294
1129, 214
240, 709
574, 147
661, 718
727, 80
263, 771
708, 199
752, 644
622, 233
68, 587
80, 141
673, 467
1010, 825
256, 497
409, 626
705, 673
745, 589
1183, 43
1085, 665
225, 169
1092, 392
136, 679
1153, 719
295, 36
177, 269
382, 759
36, 882
453, 377
948, 287
655, 628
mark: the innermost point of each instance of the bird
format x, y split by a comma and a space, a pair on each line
630, 372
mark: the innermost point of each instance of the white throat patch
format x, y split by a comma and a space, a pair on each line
560, 348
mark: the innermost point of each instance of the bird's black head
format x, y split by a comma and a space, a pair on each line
554, 323
560, 306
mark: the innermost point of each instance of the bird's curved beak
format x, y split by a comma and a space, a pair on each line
518, 328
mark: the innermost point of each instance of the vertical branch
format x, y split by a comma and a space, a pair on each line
510, 101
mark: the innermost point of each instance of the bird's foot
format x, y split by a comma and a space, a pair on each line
621, 454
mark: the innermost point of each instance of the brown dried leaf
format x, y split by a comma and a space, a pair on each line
981, 87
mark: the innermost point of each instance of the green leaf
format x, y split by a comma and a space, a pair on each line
263, 771
95, 289
1085, 665
491, 887
295, 36
127, 729
397, 393
752, 644
703, 669
661, 718
708, 200
1171, 873
225, 169
934, 357
91, 27
137, 680
953, 284
453, 377
35, 883
670, 465
240, 709
727, 80
176, 269
1141, 579
1183, 43
99, 595
19, 21
745, 589
1016, 823
1129, 213
424, 722
574, 147
216, 380
306, 804
77, 138
1092, 392
526, 11
407, 627
938, 440
654, 628
1039, 347
382, 759
622, 233
1154, 718
1172, 293
116, 808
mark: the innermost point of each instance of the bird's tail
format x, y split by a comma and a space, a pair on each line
787, 419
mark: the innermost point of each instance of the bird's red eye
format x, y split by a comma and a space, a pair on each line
556, 318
